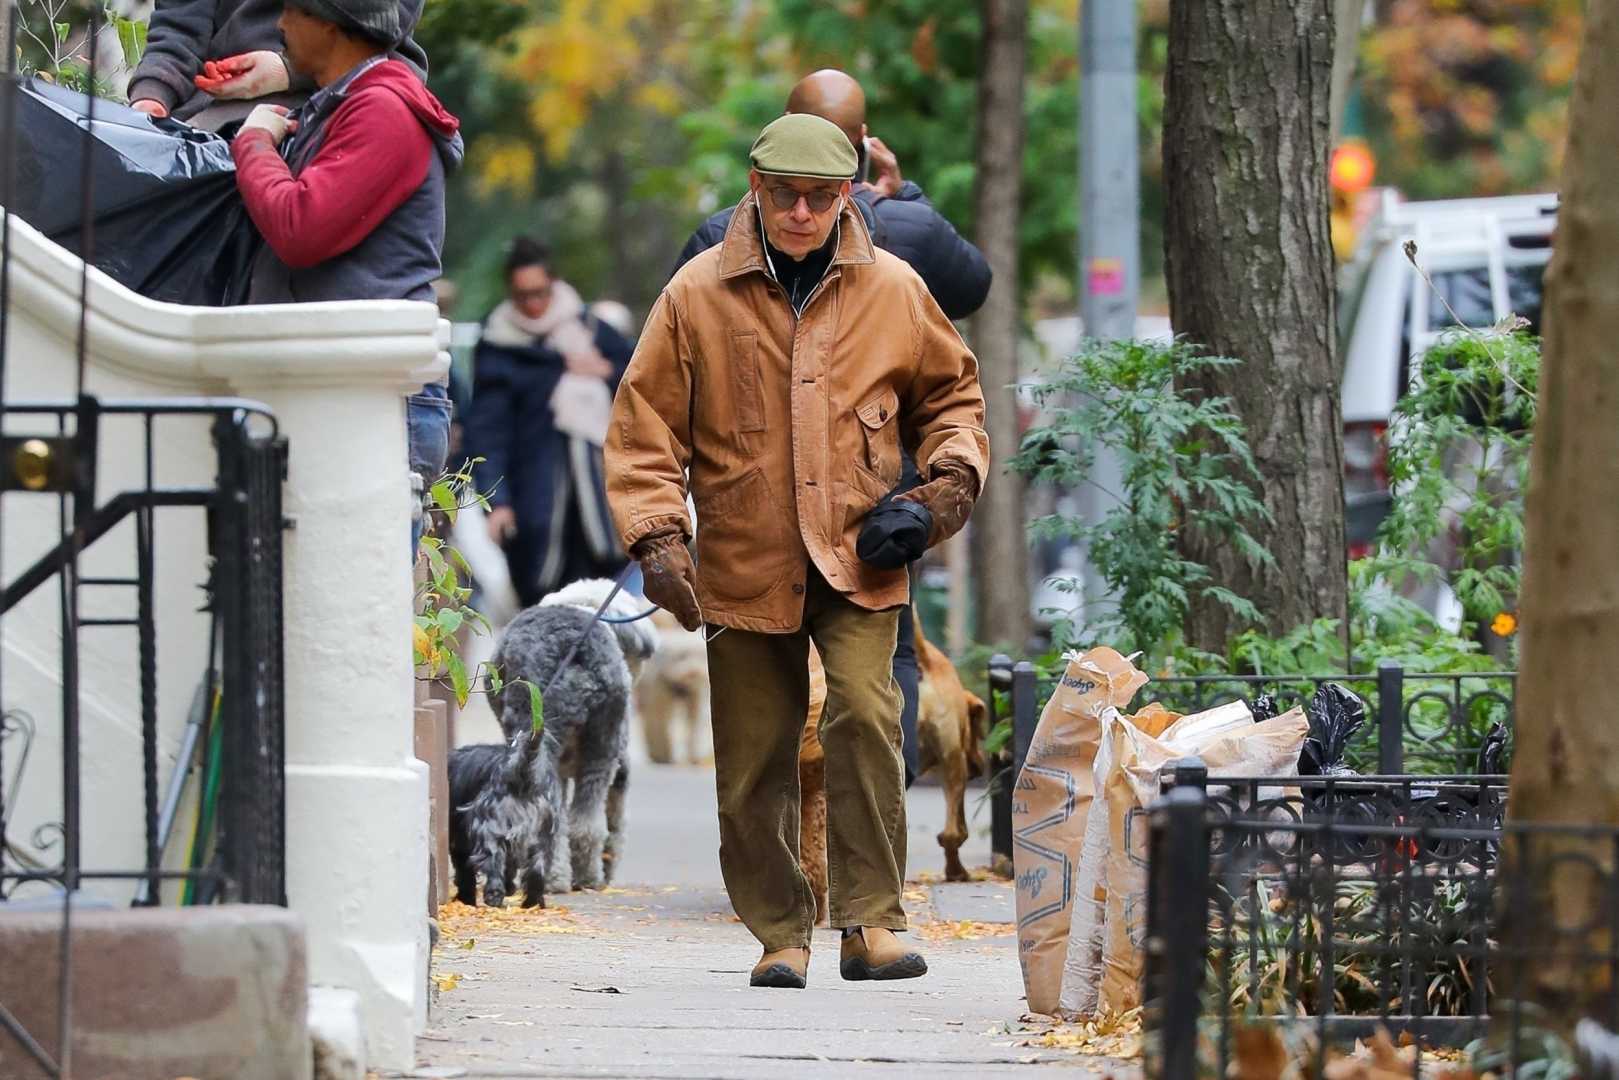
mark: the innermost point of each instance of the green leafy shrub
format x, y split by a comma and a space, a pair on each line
1186, 465
444, 606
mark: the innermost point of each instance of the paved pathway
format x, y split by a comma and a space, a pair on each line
648, 979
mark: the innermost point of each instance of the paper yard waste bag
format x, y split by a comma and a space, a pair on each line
1082, 967
1051, 800
1229, 743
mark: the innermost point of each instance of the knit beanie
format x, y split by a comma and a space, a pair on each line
374, 19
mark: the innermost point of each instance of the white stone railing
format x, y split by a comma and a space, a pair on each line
335, 376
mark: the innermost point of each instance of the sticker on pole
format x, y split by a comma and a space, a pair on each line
1105, 277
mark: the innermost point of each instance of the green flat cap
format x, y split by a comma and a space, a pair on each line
801, 144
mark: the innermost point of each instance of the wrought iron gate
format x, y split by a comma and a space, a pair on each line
48, 459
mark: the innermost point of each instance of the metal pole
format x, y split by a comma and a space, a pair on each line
1000, 678
1109, 211
1177, 932
1390, 718
1025, 716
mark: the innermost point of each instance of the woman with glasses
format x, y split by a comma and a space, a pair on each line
543, 378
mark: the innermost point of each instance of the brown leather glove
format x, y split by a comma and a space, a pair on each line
669, 579
949, 497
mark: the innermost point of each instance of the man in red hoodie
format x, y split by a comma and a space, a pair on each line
348, 191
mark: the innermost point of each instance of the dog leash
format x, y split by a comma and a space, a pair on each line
600, 616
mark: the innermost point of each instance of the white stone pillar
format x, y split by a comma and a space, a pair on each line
357, 796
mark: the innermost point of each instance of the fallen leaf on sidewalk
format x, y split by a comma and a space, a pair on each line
449, 982
963, 930
468, 944
458, 921
1111, 1035
598, 989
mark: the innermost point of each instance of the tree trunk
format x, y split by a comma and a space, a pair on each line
1000, 554
1566, 738
1249, 268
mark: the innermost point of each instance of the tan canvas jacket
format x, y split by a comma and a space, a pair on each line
790, 427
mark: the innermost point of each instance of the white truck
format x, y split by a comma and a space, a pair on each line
1485, 257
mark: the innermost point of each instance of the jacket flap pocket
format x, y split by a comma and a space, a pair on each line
879, 410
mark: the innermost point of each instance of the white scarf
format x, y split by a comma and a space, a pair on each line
581, 404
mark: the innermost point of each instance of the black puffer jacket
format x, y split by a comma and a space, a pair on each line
907, 225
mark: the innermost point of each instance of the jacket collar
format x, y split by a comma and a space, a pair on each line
742, 251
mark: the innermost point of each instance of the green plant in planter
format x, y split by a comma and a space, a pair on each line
444, 604
1186, 465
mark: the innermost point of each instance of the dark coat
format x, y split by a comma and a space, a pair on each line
184, 34
954, 271
526, 459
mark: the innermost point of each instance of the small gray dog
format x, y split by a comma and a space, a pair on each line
516, 799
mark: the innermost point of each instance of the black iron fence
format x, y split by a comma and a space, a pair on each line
1418, 721
1288, 918
232, 754
241, 757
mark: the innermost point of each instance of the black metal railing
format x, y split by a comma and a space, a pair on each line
1417, 721
237, 762
1303, 921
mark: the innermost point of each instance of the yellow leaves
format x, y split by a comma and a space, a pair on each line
585, 55
963, 930
457, 921
501, 163
557, 115
422, 645
1115, 1035
449, 982
659, 97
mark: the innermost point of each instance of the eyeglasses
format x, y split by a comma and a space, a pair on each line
523, 296
819, 200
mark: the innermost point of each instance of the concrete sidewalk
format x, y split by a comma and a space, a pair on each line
649, 980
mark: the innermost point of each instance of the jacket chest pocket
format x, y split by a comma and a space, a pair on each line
879, 422
745, 388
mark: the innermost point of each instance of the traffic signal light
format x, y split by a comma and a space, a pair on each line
1349, 173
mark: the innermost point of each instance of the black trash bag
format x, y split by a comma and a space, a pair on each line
1335, 713
168, 220
1492, 755
1264, 707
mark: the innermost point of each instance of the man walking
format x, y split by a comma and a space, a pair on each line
902, 221
355, 209
787, 369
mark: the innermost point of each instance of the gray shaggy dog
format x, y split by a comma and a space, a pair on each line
552, 807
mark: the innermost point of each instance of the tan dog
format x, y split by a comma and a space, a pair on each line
672, 692
951, 724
